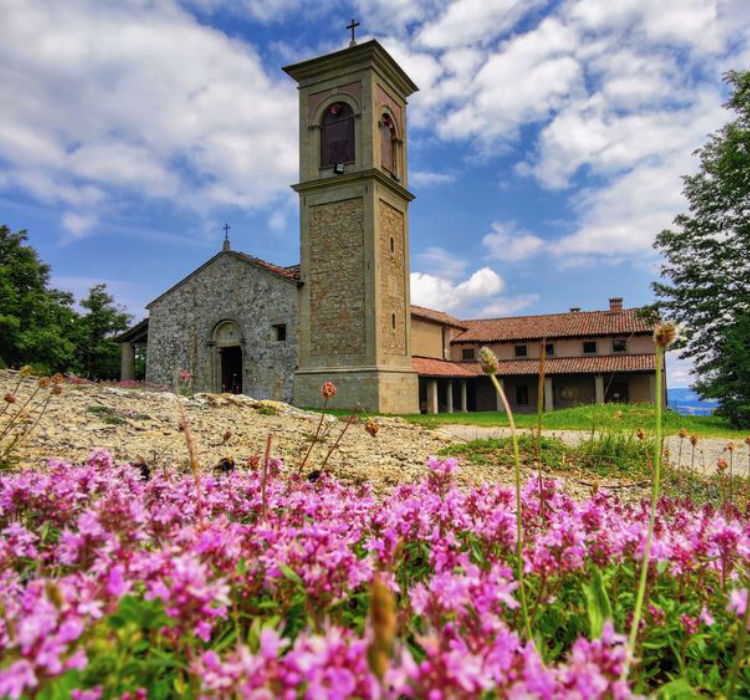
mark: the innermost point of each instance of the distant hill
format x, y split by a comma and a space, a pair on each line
687, 402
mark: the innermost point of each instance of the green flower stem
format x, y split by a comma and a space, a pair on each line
741, 638
519, 515
652, 516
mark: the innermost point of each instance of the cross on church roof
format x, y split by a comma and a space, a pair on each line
352, 26
226, 228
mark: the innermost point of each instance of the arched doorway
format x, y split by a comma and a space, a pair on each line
228, 343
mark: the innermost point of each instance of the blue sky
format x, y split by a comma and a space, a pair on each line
546, 144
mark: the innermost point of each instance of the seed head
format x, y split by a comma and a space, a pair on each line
372, 427
722, 465
253, 462
328, 390
57, 389
44, 382
26, 371
488, 361
10, 398
58, 378
227, 434
384, 626
665, 333
682, 433
747, 441
729, 447
54, 594
693, 440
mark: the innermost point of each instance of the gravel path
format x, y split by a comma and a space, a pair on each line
707, 451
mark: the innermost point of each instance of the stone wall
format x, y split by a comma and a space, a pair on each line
182, 322
337, 279
392, 293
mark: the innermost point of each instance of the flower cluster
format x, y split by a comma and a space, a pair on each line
98, 565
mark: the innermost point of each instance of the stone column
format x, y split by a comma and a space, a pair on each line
599, 383
549, 396
449, 395
464, 397
432, 396
127, 367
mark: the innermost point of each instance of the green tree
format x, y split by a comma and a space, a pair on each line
37, 324
706, 273
97, 353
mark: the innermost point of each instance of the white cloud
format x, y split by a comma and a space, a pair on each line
523, 81
427, 178
679, 372
508, 306
102, 99
445, 295
508, 242
439, 262
78, 225
468, 21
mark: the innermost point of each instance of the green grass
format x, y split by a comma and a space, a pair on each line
627, 417
600, 417
606, 454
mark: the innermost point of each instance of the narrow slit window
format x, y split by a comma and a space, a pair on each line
393, 321
279, 331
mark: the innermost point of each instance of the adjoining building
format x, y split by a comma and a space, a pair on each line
243, 325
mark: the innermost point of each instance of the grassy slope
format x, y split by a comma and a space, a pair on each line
592, 416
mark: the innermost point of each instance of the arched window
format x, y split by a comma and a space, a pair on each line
388, 144
337, 135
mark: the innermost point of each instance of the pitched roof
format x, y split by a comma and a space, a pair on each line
135, 334
430, 367
438, 316
600, 364
566, 325
290, 273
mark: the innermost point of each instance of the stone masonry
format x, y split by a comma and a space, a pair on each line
392, 292
337, 283
183, 320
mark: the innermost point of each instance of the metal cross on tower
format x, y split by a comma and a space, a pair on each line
226, 228
352, 26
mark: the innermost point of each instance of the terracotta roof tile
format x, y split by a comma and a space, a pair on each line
439, 316
430, 367
290, 273
601, 364
572, 324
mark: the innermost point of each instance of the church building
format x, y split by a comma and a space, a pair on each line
243, 325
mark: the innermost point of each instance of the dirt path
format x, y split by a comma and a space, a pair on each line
707, 451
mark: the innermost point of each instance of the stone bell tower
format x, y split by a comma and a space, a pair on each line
354, 309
